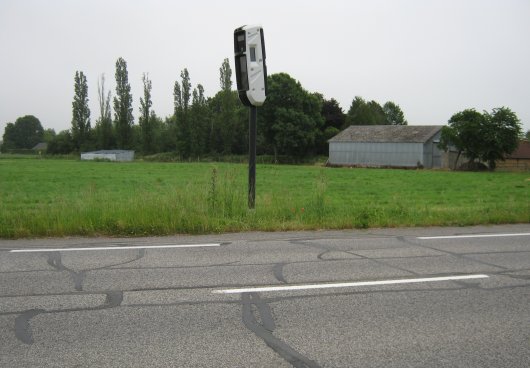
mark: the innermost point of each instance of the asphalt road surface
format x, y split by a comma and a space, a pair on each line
425, 297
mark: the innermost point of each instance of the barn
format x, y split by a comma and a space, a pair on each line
519, 160
110, 155
387, 146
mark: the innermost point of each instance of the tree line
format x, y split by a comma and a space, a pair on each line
292, 122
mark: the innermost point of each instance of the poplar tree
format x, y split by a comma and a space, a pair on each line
123, 117
80, 111
227, 116
181, 98
146, 125
199, 119
104, 122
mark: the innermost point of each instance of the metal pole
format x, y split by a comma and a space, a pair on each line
252, 157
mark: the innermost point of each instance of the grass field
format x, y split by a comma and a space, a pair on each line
67, 197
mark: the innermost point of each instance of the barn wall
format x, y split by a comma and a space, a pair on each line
432, 155
376, 154
98, 156
125, 156
111, 155
514, 164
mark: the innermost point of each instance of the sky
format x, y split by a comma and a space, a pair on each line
432, 57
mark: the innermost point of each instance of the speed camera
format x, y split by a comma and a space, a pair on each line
251, 70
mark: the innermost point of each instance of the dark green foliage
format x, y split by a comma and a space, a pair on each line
225, 76
146, 124
487, 137
49, 135
334, 121
181, 96
527, 135
80, 111
62, 143
501, 135
290, 118
123, 117
462, 132
226, 117
25, 133
365, 113
104, 133
166, 133
199, 118
292, 125
393, 113
330, 132
229, 121
333, 114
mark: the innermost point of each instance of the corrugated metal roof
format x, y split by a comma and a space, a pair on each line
40, 146
387, 133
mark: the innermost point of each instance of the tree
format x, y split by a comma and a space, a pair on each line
166, 134
527, 135
25, 133
501, 134
225, 76
365, 113
227, 106
199, 122
48, 135
62, 143
487, 137
104, 134
80, 111
123, 117
463, 132
146, 125
181, 97
333, 114
227, 119
334, 120
9, 137
290, 118
393, 114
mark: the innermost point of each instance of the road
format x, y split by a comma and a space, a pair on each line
422, 297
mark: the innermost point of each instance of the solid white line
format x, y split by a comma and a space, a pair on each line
346, 284
471, 236
29, 250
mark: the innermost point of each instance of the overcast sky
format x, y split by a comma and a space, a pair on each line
431, 57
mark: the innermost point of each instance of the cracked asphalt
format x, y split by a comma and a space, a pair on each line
163, 307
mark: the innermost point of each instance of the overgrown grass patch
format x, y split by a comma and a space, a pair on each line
67, 197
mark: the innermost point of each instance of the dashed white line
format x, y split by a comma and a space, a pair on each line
346, 284
471, 236
30, 250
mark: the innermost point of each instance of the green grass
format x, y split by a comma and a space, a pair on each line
66, 197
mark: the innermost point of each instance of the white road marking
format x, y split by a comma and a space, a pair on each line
29, 250
471, 236
346, 284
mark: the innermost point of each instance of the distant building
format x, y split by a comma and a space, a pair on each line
110, 155
517, 160
40, 148
388, 146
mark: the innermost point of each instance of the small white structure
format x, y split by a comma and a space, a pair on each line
251, 70
110, 155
